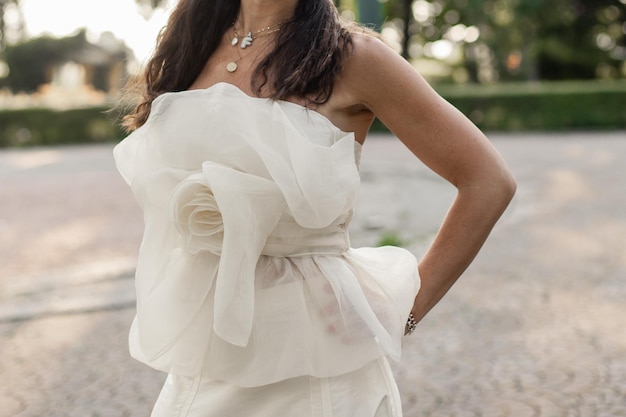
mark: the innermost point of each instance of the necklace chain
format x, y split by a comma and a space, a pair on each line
252, 35
233, 65
248, 40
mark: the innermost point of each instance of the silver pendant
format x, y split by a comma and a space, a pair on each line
231, 66
247, 41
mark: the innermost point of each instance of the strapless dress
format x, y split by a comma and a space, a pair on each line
249, 294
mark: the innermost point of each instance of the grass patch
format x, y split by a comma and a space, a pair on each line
390, 239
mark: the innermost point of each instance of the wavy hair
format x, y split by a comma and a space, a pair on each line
196, 28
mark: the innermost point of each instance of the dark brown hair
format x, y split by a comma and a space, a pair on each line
307, 57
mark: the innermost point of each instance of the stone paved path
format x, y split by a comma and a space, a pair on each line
534, 328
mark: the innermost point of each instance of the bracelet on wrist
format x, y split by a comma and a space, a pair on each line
411, 324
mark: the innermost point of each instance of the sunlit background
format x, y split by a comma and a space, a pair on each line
135, 25
507, 64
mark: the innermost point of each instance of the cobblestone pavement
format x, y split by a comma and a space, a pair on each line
534, 328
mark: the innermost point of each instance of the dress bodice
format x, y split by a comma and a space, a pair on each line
228, 183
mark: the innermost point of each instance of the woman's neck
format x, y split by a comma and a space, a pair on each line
257, 14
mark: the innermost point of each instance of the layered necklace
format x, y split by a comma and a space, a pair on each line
247, 41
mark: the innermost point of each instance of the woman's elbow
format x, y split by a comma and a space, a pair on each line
495, 188
505, 187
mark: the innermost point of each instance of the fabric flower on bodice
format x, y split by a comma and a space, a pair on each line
229, 213
197, 216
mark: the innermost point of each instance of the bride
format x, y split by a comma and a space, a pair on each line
243, 156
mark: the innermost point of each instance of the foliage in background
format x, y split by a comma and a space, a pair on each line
512, 107
43, 127
468, 42
485, 41
4, 6
517, 39
548, 106
556, 39
390, 239
542, 106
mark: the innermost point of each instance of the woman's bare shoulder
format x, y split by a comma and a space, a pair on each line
374, 70
369, 48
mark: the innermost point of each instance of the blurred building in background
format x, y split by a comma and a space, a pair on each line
63, 72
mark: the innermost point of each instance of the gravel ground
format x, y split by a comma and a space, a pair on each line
534, 328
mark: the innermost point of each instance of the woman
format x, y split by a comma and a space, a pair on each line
244, 160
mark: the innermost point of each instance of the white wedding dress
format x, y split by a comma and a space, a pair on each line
248, 293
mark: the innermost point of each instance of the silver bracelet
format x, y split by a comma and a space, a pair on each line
411, 324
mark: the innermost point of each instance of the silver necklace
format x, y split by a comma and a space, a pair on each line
247, 41
251, 36
233, 65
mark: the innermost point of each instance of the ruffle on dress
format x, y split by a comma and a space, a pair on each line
245, 272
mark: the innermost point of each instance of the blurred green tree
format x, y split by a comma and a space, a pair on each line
6, 5
518, 39
555, 39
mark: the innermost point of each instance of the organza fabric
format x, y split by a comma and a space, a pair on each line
245, 272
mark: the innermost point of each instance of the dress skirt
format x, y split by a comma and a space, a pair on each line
367, 392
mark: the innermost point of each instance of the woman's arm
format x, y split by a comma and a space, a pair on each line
447, 142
